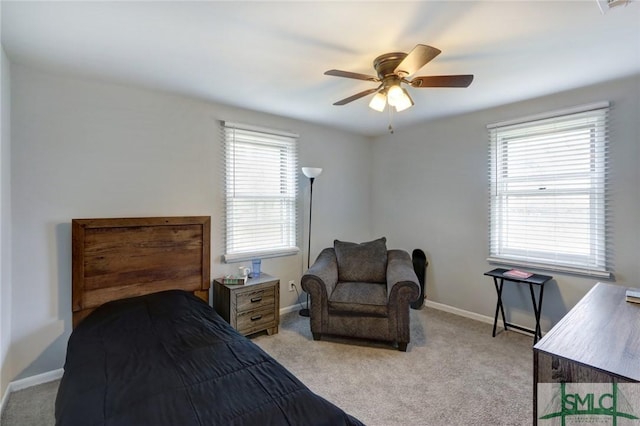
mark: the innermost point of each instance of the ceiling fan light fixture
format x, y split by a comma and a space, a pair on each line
378, 102
404, 101
392, 70
395, 94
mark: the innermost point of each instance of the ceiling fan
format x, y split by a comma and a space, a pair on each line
395, 68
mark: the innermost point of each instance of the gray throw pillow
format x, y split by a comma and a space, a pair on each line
364, 262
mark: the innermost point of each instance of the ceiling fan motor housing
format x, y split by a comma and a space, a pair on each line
385, 65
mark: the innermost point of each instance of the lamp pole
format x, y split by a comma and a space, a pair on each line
312, 173
310, 210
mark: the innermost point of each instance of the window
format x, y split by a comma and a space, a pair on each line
548, 200
261, 169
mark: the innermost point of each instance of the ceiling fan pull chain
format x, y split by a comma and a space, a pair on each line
390, 119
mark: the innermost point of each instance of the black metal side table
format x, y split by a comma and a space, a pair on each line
539, 280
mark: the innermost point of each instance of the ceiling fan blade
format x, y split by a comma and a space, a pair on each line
416, 59
356, 96
443, 81
348, 74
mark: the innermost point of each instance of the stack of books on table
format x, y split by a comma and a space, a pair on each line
518, 274
633, 295
234, 279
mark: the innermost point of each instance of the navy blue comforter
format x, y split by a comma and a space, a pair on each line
169, 359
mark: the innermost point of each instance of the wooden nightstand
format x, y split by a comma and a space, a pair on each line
252, 307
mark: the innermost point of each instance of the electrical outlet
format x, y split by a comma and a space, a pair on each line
292, 285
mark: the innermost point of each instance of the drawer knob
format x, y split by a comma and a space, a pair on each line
256, 299
256, 317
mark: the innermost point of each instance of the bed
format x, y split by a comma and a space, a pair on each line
147, 349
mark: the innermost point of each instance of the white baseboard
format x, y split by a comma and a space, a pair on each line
471, 315
288, 309
38, 379
458, 311
27, 382
5, 398
291, 308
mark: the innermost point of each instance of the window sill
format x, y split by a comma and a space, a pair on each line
241, 257
607, 275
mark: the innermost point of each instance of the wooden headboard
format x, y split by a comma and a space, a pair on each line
118, 258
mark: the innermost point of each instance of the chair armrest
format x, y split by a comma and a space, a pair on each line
322, 276
402, 281
319, 281
403, 288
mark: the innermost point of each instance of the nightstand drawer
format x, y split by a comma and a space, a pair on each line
255, 299
257, 319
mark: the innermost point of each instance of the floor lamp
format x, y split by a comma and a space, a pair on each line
312, 173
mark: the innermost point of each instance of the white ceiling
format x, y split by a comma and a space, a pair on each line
270, 56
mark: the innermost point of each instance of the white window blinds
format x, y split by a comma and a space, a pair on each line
548, 183
261, 185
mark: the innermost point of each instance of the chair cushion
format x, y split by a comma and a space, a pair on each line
359, 298
364, 262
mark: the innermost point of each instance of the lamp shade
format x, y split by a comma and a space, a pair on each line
394, 94
403, 102
378, 102
312, 172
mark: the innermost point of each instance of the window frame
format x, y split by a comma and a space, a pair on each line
275, 184
508, 243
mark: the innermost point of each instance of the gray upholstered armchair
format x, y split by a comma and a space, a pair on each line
362, 290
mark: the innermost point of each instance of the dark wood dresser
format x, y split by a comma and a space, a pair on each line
598, 341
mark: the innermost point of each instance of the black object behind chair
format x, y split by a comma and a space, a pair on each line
420, 264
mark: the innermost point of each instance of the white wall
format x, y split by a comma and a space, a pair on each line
89, 149
5, 222
430, 191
